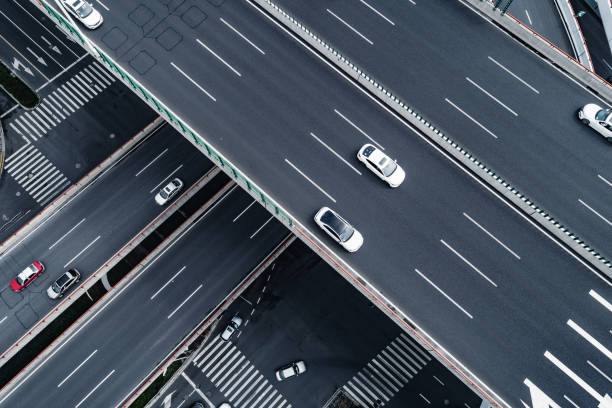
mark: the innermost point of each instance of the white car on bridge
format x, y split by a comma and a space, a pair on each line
598, 118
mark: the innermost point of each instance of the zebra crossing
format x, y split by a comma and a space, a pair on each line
386, 373
35, 173
236, 377
82, 87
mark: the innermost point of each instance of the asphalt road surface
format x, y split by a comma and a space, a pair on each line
142, 323
302, 310
498, 100
93, 226
473, 274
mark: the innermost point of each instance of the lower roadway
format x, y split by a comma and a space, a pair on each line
93, 226
475, 275
101, 363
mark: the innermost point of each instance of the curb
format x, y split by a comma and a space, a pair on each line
574, 32
529, 207
37, 362
60, 202
2, 149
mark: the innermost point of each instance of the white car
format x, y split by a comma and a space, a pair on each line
231, 327
381, 165
598, 118
166, 193
84, 12
339, 229
290, 370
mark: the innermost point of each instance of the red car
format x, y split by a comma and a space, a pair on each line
27, 276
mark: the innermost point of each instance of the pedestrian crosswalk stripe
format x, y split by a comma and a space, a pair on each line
387, 372
86, 85
31, 122
42, 111
246, 365
104, 71
236, 377
88, 93
66, 88
35, 114
212, 360
95, 77
239, 380
35, 174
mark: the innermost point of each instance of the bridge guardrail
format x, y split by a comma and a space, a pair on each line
171, 117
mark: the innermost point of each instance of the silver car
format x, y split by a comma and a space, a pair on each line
169, 191
63, 283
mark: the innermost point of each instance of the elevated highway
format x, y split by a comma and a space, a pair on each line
461, 268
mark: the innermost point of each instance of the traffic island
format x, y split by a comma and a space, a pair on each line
17, 89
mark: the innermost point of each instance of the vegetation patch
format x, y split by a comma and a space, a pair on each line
16, 88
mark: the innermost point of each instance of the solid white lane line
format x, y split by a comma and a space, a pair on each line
471, 118
426, 400
151, 162
595, 212
169, 282
604, 180
514, 75
491, 96
351, 27
492, 236
103, 5
185, 301
82, 250
377, 12
468, 262
590, 338
565, 396
335, 154
218, 57
573, 375
241, 35
311, 182
193, 82
260, 228
3, 319
94, 389
528, 17
358, 129
601, 300
76, 369
195, 388
166, 178
64, 236
599, 371
243, 211
444, 294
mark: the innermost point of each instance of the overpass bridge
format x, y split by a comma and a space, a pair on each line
512, 310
